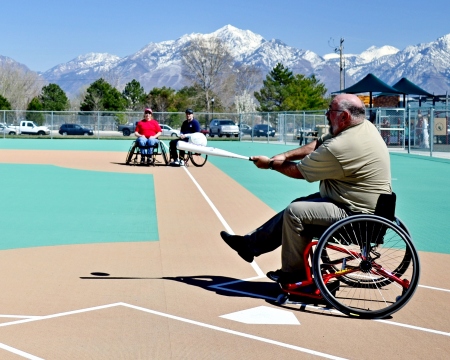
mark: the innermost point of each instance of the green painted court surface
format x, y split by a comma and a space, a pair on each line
49, 205
36, 210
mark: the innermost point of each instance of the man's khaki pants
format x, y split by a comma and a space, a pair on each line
292, 228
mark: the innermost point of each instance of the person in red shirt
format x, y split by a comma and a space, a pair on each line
147, 133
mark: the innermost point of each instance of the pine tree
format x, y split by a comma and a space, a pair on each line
53, 98
101, 96
273, 93
305, 93
34, 111
4, 103
134, 95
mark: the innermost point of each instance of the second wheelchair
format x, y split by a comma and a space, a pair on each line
134, 156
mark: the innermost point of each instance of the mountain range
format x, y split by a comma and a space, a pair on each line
159, 64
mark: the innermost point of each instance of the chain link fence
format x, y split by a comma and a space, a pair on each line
412, 129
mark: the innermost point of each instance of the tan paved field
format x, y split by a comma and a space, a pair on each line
171, 299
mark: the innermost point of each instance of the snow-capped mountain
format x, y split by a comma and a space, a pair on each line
159, 64
4, 60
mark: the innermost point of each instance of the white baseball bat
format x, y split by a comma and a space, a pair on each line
183, 145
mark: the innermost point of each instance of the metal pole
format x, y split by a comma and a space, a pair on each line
341, 63
409, 129
240, 123
98, 125
431, 129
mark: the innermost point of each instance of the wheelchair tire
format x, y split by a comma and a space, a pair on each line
374, 263
130, 154
198, 160
164, 153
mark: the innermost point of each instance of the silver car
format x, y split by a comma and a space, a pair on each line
222, 127
5, 129
168, 131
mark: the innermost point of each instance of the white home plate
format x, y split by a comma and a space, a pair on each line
263, 315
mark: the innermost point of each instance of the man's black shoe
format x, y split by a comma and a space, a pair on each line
282, 277
239, 244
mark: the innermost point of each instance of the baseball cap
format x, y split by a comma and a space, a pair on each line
146, 110
189, 111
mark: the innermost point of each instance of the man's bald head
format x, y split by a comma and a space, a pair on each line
352, 104
345, 110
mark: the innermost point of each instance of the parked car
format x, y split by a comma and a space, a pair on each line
127, 129
74, 129
263, 130
5, 129
27, 127
168, 131
223, 127
246, 129
204, 131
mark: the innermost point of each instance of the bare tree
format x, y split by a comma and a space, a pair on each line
19, 85
239, 87
207, 62
77, 99
249, 78
245, 102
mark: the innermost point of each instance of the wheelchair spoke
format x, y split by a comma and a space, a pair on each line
374, 262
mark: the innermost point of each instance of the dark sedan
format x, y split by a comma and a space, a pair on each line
245, 129
74, 129
263, 130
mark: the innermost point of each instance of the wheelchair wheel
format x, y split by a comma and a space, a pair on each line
198, 159
164, 153
374, 263
356, 281
131, 152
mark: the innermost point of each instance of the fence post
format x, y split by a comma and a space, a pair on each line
240, 122
431, 128
98, 125
409, 129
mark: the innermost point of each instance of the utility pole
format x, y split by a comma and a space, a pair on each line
340, 49
342, 65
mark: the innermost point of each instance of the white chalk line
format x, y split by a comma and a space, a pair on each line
221, 218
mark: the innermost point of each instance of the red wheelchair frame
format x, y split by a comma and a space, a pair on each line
364, 266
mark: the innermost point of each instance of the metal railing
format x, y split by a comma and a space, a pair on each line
413, 129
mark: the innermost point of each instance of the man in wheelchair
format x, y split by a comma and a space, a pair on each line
147, 133
353, 166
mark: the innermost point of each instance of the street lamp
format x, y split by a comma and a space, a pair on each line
212, 103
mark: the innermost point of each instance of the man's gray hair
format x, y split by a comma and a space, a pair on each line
355, 111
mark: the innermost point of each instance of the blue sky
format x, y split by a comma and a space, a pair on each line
42, 34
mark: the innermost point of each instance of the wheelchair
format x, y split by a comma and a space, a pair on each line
196, 159
134, 154
365, 266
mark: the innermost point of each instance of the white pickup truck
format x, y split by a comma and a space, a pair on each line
30, 128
